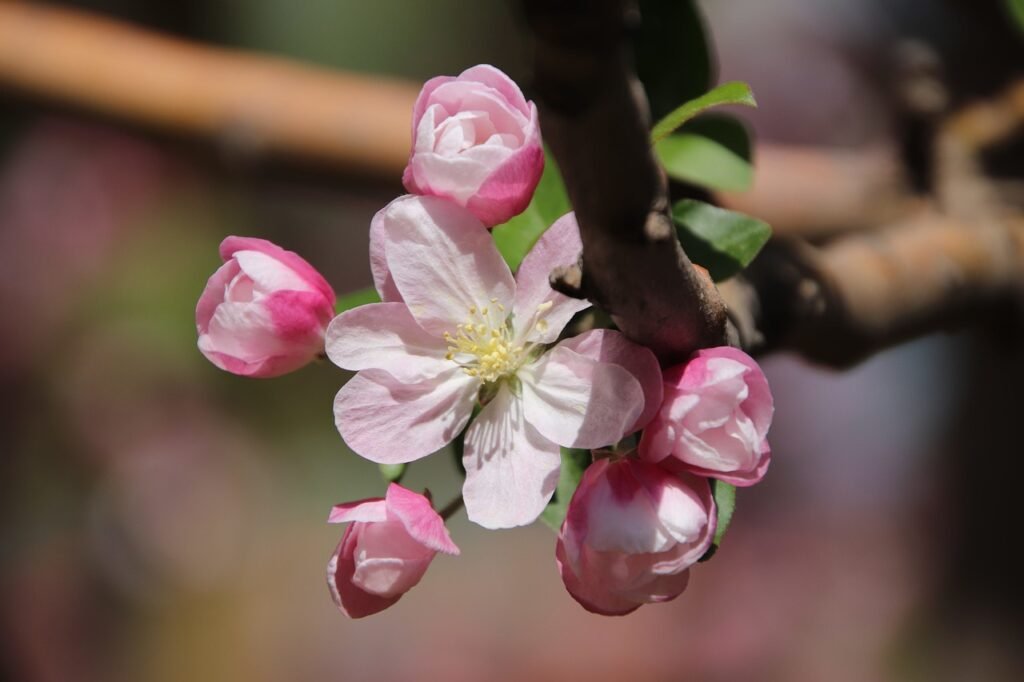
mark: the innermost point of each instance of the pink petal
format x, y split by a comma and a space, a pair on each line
372, 509
578, 402
759, 405
385, 336
353, 602
391, 422
382, 280
509, 187
592, 596
299, 318
608, 345
511, 470
419, 518
495, 78
457, 178
423, 101
296, 263
388, 561
213, 294
443, 261
559, 245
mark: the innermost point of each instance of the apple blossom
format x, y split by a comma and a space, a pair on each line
476, 141
263, 313
715, 417
385, 551
455, 329
631, 532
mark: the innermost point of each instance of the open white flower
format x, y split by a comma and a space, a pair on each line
455, 329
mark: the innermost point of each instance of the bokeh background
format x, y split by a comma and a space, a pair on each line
163, 520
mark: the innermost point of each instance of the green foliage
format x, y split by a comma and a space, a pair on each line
1016, 9
672, 53
727, 93
392, 473
574, 463
725, 505
356, 299
550, 202
722, 241
712, 152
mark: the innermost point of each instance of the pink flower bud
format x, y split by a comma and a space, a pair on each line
264, 312
476, 141
714, 418
385, 551
631, 533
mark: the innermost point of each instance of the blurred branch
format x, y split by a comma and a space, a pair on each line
595, 118
840, 302
247, 103
817, 193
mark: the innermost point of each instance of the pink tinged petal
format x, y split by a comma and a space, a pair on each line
311, 278
388, 561
213, 294
416, 514
495, 78
579, 402
353, 602
391, 422
590, 594
456, 178
443, 261
511, 469
759, 405
459, 96
509, 188
622, 515
241, 338
608, 345
370, 510
382, 280
385, 336
559, 245
423, 100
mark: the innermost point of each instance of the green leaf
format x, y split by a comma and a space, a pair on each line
550, 202
727, 93
672, 53
725, 505
356, 299
725, 501
711, 152
722, 241
392, 473
1016, 9
574, 463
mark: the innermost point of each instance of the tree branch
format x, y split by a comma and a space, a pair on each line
594, 115
838, 303
249, 104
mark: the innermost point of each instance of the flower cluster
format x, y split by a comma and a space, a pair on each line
461, 348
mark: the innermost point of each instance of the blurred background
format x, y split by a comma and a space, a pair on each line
163, 520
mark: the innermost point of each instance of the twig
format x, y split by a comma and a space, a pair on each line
841, 302
594, 116
250, 104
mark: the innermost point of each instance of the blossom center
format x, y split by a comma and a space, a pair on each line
483, 345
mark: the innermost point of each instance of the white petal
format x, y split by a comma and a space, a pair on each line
443, 261
511, 470
579, 402
385, 336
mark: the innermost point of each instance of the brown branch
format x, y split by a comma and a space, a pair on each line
246, 102
817, 193
841, 302
594, 116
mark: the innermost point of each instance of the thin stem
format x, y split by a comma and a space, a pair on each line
452, 507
